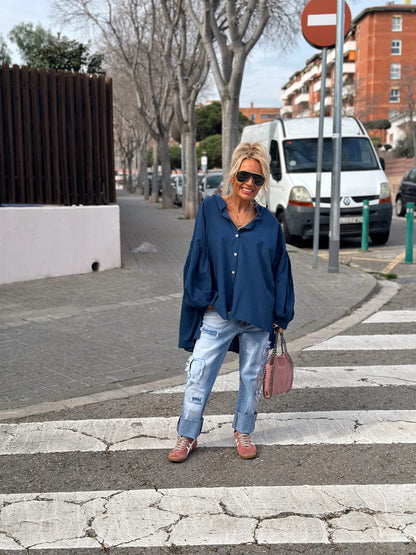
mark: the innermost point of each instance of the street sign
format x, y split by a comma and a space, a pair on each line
318, 21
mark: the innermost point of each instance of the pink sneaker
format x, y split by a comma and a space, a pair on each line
246, 448
184, 446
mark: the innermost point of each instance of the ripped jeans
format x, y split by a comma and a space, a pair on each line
205, 362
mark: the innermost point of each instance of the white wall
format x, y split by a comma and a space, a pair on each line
46, 241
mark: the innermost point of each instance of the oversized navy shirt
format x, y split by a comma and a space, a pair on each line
245, 274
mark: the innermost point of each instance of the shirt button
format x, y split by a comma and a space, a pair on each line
236, 235
235, 254
233, 272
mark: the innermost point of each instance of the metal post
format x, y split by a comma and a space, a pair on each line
319, 161
410, 214
334, 239
365, 225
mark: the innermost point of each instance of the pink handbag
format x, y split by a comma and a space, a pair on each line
278, 372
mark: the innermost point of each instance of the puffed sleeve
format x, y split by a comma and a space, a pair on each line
197, 276
284, 292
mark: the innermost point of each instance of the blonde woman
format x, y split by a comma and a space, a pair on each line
237, 287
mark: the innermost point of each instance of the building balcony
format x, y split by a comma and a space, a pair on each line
317, 85
302, 98
328, 101
348, 67
309, 75
286, 110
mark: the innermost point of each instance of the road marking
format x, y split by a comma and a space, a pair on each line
399, 258
305, 514
322, 19
366, 343
320, 376
391, 317
290, 428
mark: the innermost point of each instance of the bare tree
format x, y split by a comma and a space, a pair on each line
230, 29
131, 32
408, 101
187, 65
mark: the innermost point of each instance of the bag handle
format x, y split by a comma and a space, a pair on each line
276, 343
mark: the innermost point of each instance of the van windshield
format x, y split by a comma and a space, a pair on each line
357, 155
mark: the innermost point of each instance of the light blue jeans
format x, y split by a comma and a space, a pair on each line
205, 362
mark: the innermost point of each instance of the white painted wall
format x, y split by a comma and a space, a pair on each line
47, 241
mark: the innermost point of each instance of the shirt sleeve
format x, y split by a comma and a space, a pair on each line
197, 275
284, 293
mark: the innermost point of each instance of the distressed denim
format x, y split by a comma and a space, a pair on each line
205, 362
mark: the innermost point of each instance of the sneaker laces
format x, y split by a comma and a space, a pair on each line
244, 439
182, 443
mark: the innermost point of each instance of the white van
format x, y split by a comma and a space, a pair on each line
292, 144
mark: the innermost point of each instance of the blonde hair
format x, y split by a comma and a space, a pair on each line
248, 151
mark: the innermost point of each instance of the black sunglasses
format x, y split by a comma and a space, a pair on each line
258, 179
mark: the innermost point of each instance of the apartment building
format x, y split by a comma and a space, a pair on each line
379, 53
260, 115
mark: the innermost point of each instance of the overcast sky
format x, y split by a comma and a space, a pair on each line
266, 71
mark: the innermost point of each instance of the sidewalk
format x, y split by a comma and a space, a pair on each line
65, 337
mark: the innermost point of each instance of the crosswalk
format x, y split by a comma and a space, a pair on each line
352, 404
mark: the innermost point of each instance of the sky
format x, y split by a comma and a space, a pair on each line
267, 69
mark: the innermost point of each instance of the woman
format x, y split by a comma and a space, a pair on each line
237, 287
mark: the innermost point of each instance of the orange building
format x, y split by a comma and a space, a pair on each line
259, 115
378, 52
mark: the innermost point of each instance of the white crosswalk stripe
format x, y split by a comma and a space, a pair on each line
299, 428
329, 514
297, 513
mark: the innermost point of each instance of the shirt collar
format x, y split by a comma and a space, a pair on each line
223, 206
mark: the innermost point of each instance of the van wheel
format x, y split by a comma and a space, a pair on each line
400, 208
289, 238
380, 238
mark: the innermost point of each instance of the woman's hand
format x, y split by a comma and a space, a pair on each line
280, 330
210, 307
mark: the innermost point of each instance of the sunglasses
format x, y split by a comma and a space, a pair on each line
258, 179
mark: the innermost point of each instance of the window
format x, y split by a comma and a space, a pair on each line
396, 47
396, 23
394, 95
395, 71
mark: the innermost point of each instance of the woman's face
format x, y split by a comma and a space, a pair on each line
247, 190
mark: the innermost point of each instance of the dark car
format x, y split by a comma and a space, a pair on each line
407, 192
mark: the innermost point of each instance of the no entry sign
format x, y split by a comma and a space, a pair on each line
319, 22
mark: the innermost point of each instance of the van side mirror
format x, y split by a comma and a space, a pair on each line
383, 163
276, 170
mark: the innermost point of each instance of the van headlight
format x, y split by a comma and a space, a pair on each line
299, 196
385, 193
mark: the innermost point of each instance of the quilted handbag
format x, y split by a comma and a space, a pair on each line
278, 372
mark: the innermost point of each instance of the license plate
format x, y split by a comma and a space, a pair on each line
350, 219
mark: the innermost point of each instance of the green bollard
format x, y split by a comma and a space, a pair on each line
410, 214
365, 226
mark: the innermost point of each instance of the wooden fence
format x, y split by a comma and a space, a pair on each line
56, 137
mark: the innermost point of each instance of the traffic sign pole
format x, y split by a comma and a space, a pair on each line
334, 231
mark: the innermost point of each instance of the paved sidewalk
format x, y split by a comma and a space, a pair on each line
71, 336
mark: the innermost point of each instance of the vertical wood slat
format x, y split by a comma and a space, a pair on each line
90, 170
18, 134
102, 107
56, 137
95, 121
54, 154
45, 127
37, 144
110, 138
63, 143
27, 136
8, 137
3, 197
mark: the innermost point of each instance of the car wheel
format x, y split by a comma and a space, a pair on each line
380, 238
400, 208
289, 238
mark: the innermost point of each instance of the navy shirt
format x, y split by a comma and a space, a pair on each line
245, 274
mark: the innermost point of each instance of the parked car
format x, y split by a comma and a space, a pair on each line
176, 180
406, 192
210, 183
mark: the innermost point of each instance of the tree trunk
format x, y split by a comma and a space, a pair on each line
191, 198
130, 173
230, 130
167, 190
155, 177
142, 180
